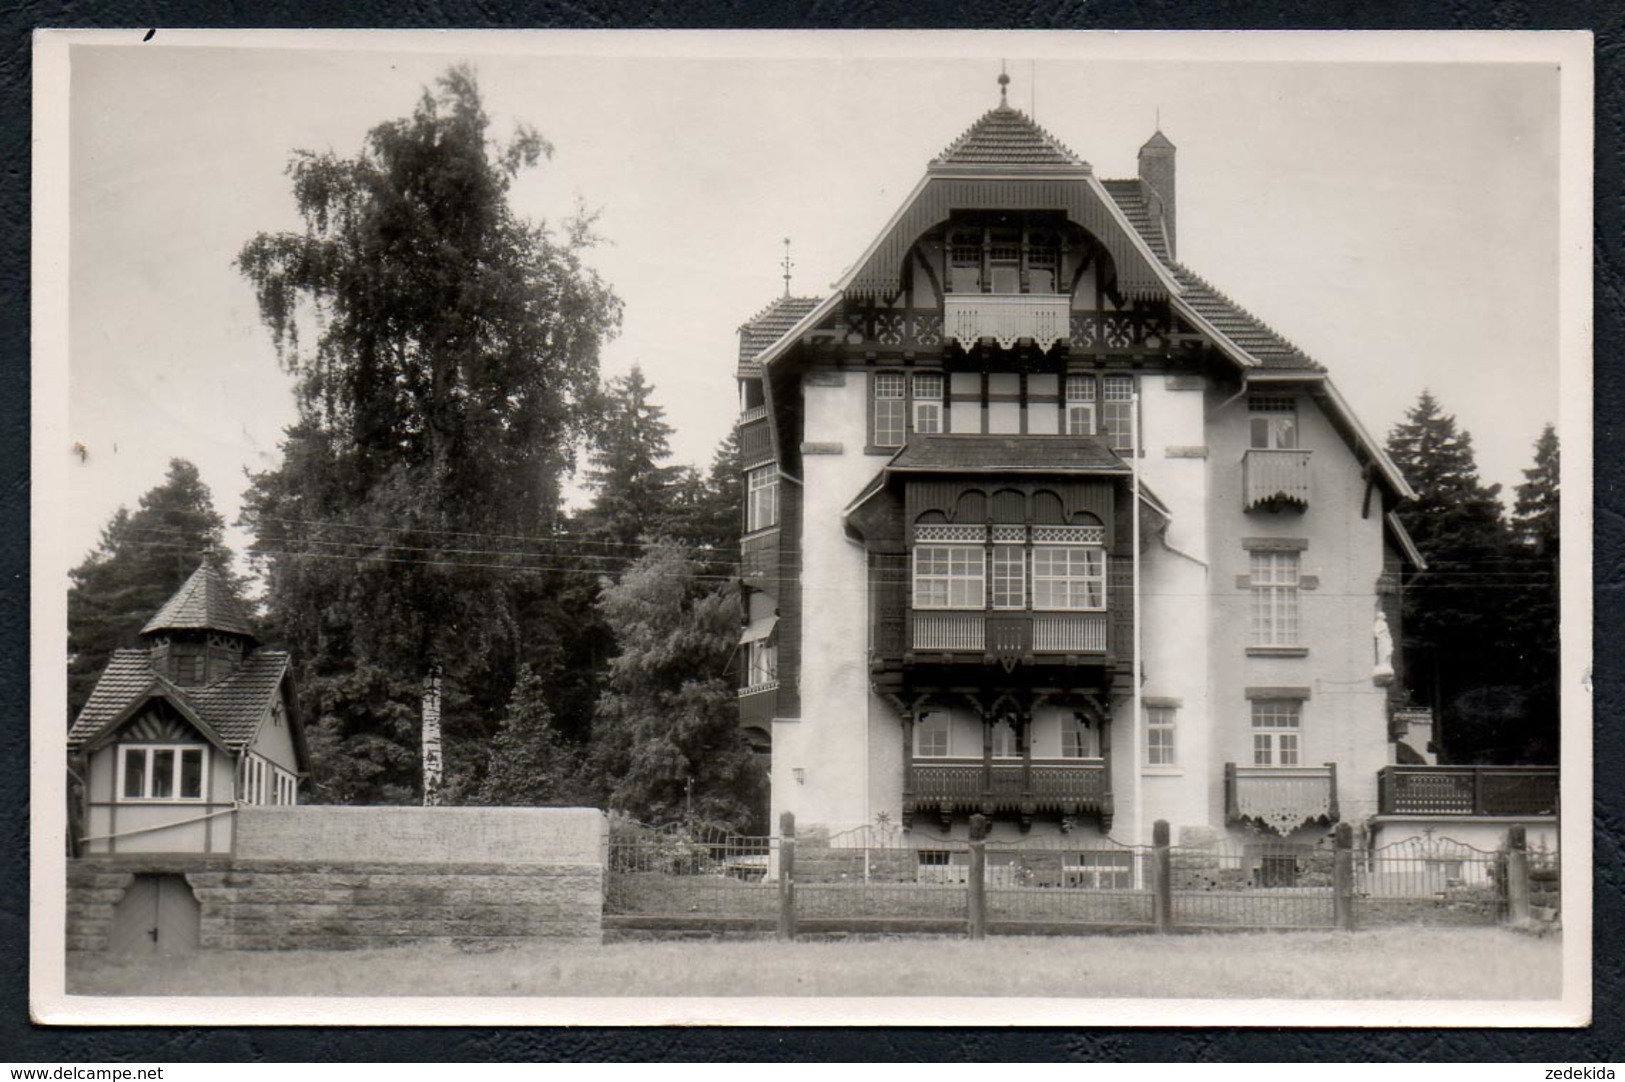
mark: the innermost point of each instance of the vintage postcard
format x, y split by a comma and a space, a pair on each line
804, 528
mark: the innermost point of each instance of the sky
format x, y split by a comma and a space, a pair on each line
1395, 216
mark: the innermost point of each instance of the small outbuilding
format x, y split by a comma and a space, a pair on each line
180, 731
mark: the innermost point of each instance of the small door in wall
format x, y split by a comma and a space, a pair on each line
158, 915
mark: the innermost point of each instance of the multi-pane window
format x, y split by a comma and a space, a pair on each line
1274, 580
965, 263
931, 735
162, 773
1043, 262
1004, 260
1159, 736
927, 402
762, 499
1080, 405
1273, 423
1068, 577
949, 577
1276, 725
1117, 411
1074, 738
890, 408
1009, 576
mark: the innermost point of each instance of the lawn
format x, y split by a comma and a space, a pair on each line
1397, 963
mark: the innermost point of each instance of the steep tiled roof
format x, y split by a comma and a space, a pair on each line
1229, 318
1006, 136
769, 325
1017, 453
203, 603
233, 707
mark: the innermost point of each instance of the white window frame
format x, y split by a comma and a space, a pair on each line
762, 498
927, 729
928, 389
1117, 411
1090, 578
1277, 732
1276, 616
890, 406
148, 753
962, 580
1161, 742
1008, 576
1273, 423
1080, 405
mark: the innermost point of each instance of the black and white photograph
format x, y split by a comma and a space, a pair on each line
920, 528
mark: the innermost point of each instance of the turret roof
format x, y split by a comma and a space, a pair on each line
204, 603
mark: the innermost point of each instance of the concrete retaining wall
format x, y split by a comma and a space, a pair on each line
329, 878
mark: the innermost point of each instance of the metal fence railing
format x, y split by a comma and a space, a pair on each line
884, 878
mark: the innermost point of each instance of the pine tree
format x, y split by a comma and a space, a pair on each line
1456, 622
666, 742
456, 367
1535, 516
142, 559
528, 762
634, 490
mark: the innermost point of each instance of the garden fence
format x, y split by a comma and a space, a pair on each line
881, 878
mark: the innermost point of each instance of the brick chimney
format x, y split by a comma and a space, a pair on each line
1157, 181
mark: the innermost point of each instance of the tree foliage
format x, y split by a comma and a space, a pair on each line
529, 764
142, 559
1467, 632
666, 745
453, 367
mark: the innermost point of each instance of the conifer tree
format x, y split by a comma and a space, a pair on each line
1536, 615
142, 559
666, 741
528, 763
633, 487
1535, 516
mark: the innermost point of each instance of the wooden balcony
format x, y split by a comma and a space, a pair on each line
1467, 790
1008, 634
1274, 480
1041, 317
1281, 798
1016, 787
758, 705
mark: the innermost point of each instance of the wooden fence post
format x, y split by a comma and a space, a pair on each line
1343, 877
1517, 876
1162, 876
976, 884
787, 875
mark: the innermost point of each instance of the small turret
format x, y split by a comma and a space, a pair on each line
200, 635
1157, 182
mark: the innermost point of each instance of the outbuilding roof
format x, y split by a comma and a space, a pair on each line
203, 603
233, 707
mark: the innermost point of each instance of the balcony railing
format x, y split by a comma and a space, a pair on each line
1281, 798
755, 413
1276, 479
1467, 790
1010, 785
1008, 634
1006, 319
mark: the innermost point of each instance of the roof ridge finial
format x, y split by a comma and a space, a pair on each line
1004, 86
787, 264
